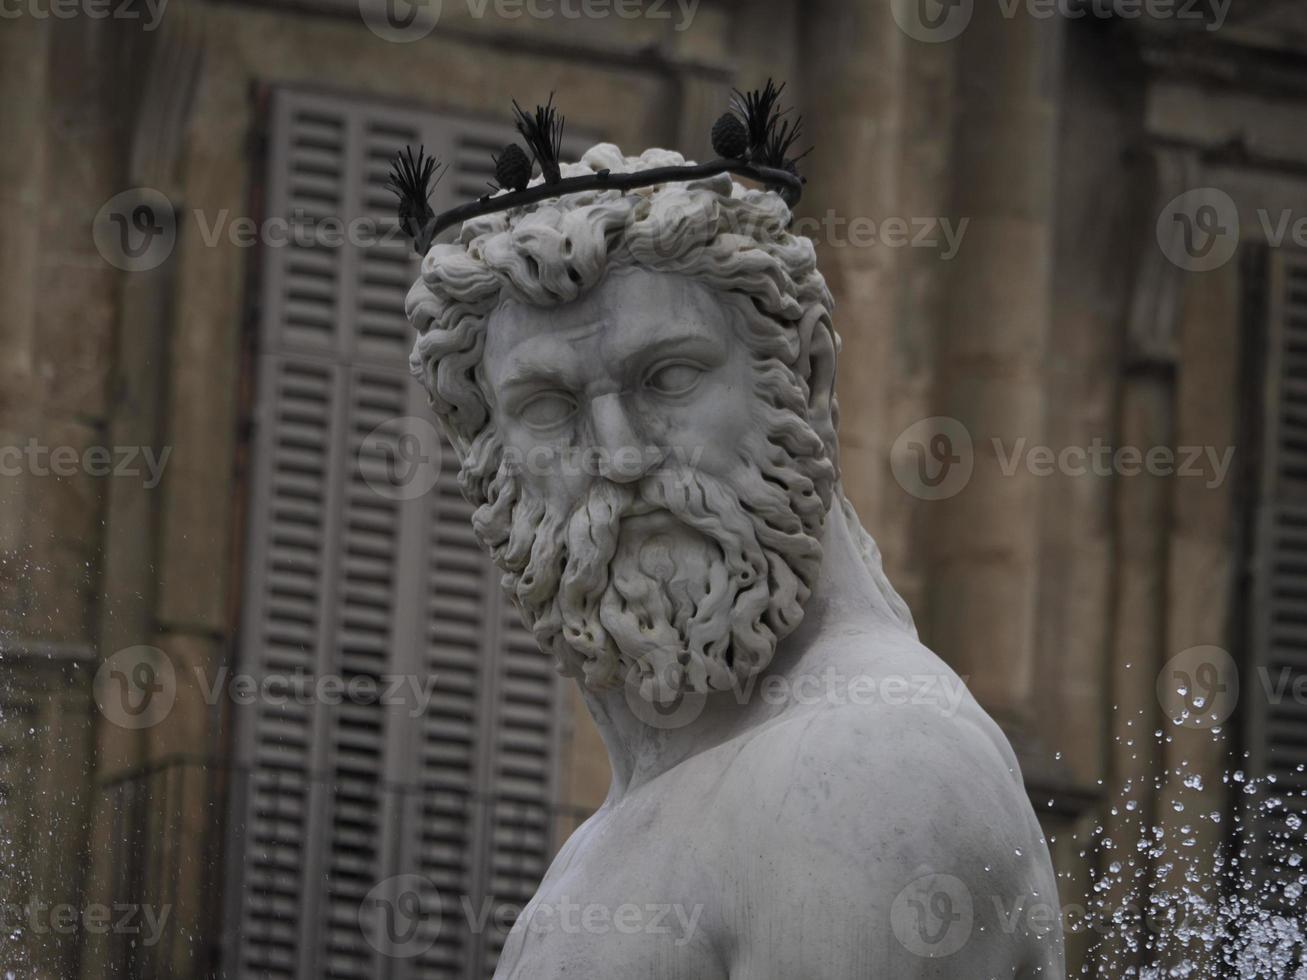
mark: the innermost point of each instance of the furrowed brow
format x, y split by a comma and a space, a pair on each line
690, 344
535, 375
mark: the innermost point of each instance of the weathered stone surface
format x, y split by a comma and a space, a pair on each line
649, 438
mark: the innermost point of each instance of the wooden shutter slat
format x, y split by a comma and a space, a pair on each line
1277, 726
345, 580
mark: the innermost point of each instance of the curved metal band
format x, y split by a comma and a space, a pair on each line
788, 185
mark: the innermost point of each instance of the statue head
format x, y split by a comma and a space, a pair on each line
640, 390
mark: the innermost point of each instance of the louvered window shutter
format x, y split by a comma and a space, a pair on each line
1276, 718
343, 581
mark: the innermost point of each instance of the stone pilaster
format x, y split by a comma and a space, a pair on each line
851, 61
984, 578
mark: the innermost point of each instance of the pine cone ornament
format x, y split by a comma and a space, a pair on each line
513, 168
730, 138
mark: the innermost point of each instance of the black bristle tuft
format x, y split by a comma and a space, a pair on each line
770, 139
779, 142
543, 133
411, 181
760, 112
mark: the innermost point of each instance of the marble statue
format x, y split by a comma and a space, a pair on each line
640, 388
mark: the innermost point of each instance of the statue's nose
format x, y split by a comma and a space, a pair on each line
618, 455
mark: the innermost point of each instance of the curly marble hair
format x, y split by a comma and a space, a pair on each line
732, 239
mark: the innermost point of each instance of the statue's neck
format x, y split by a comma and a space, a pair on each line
639, 752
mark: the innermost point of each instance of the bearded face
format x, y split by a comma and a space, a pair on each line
649, 482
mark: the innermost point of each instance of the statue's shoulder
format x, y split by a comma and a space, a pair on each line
912, 740
860, 801
875, 700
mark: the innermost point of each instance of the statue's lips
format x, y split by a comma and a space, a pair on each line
643, 508
645, 519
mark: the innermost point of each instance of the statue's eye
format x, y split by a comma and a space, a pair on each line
547, 409
674, 379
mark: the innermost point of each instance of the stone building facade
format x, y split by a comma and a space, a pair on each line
1081, 301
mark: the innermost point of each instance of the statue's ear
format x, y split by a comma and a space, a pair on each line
822, 344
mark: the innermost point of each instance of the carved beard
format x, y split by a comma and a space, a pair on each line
681, 582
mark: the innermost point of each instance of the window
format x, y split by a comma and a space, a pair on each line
352, 578
1276, 729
